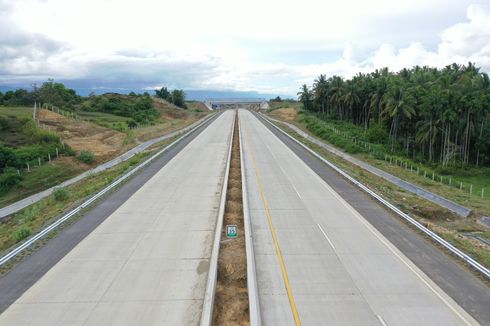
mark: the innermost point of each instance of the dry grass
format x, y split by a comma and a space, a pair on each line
105, 143
231, 299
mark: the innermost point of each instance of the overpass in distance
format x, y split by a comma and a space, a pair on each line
223, 103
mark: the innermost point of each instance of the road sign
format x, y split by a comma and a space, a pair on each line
231, 231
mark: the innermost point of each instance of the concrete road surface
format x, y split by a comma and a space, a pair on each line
147, 263
319, 262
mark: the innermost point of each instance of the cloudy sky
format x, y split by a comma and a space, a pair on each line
268, 46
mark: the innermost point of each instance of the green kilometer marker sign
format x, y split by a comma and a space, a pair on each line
231, 231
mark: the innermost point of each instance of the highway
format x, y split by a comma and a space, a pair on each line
325, 254
146, 263
320, 262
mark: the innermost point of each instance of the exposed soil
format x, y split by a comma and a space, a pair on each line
286, 114
231, 298
80, 135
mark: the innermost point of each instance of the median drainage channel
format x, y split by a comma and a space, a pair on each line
231, 297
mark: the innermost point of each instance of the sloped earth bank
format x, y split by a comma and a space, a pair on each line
105, 143
231, 298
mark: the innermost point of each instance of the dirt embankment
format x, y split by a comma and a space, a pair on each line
80, 135
231, 298
285, 114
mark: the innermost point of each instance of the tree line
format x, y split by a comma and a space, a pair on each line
176, 97
435, 115
49, 92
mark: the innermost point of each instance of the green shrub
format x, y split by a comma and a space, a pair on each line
376, 134
68, 151
8, 179
21, 233
378, 155
37, 135
61, 194
86, 157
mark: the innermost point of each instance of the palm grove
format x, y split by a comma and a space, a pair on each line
434, 115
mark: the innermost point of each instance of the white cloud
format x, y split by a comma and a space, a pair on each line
222, 44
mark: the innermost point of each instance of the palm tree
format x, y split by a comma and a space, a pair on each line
320, 88
336, 93
397, 106
351, 99
305, 97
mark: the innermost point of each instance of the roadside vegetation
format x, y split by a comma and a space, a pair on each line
176, 97
468, 186
24, 146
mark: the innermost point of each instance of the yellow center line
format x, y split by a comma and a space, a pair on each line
274, 236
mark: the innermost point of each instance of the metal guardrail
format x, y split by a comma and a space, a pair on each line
472, 262
54, 225
208, 304
253, 293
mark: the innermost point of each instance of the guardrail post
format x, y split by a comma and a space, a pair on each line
57, 153
39, 161
461, 186
28, 168
471, 189
49, 157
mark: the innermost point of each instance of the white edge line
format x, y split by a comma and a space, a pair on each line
381, 320
253, 293
405, 216
208, 303
326, 237
283, 171
14, 252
